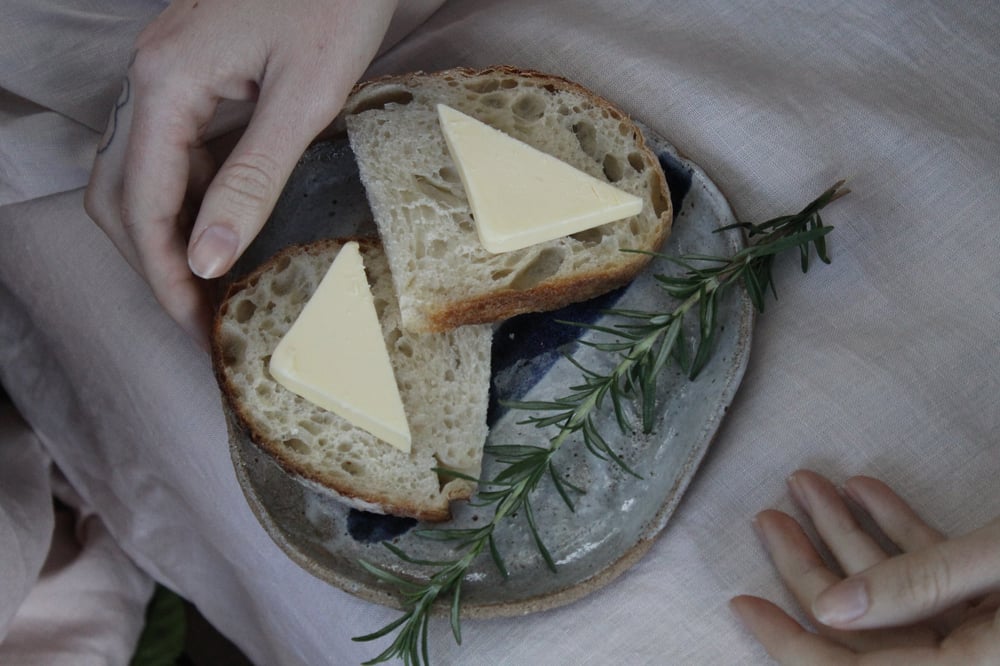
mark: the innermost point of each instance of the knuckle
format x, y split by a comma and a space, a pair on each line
926, 582
249, 181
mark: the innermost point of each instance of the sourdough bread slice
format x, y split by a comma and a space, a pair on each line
443, 380
443, 275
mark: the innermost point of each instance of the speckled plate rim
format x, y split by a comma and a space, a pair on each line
630, 556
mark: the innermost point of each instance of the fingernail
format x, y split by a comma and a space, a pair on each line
761, 532
795, 488
842, 603
214, 251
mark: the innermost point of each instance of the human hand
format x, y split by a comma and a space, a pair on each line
155, 189
934, 603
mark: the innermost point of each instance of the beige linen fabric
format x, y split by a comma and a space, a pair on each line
884, 363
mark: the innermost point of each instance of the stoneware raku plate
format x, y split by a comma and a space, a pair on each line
617, 519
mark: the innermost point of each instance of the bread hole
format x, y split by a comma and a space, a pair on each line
661, 200
311, 427
449, 175
352, 467
613, 169
283, 283
494, 101
244, 310
500, 274
437, 192
345, 447
233, 350
264, 390
380, 305
636, 162
589, 236
405, 348
542, 267
466, 225
482, 85
392, 338
284, 262
419, 251
634, 227
438, 249
449, 375
399, 96
297, 445
586, 135
266, 362
529, 107
563, 110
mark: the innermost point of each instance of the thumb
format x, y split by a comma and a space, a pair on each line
243, 193
915, 586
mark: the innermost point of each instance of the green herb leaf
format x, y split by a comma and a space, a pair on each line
643, 344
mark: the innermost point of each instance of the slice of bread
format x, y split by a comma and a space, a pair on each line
443, 380
443, 275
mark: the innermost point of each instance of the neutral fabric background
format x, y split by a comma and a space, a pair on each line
884, 363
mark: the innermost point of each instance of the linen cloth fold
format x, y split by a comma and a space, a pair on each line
883, 363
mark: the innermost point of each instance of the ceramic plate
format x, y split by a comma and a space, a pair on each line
620, 515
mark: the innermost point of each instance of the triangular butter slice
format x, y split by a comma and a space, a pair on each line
334, 355
521, 196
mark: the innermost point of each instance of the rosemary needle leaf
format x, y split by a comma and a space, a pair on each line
533, 406
447, 471
402, 584
643, 343
451, 534
375, 635
511, 452
497, 558
533, 528
456, 610
401, 554
552, 420
425, 624
558, 485
666, 348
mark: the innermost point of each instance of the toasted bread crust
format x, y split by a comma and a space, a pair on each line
557, 291
240, 420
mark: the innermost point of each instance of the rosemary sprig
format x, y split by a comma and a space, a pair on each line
644, 343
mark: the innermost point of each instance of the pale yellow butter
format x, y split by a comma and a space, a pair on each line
521, 196
335, 357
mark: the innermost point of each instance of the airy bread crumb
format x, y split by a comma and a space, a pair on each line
443, 380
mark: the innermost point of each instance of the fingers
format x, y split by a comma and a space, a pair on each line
248, 184
784, 638
915, 585
292, 109
152, 169
854, 548
892, 514
798, 564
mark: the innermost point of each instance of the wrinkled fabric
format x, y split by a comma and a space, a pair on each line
883, 363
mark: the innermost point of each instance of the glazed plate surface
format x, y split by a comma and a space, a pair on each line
618, 518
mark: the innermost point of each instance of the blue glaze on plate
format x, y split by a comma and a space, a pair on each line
525, 347
619, 517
